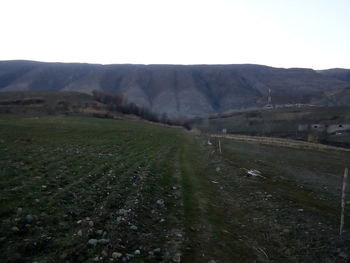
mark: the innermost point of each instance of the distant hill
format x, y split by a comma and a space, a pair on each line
337, 73
180, 90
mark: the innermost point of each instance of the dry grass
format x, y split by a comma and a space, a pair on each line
281, 142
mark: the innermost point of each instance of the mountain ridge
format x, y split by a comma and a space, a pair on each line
180, 90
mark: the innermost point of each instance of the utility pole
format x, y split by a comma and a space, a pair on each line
343, 202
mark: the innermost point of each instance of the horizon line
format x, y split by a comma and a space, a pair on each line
164, 64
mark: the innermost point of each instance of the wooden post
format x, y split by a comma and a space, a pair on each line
343, 202
219, 145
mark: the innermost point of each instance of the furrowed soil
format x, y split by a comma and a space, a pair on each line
92, 190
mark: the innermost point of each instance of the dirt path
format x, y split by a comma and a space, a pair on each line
210, 227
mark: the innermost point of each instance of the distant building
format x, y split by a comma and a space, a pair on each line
319, 127
322, 127
290, 105
338, 128
303, 127
268, 106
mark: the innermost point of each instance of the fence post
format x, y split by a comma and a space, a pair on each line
343, 202
219, 145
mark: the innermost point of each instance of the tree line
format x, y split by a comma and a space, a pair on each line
119, 103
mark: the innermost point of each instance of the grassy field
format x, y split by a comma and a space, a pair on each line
278, 122
280, 142
78, 189
269, 121
43, 103
66, 180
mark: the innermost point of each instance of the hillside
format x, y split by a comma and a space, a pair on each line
37, 103
338, 73
177, 90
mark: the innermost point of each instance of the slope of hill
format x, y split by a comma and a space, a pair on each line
333, 97
37, 103
177, 90
337, 73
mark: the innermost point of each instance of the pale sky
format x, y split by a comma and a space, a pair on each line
280, 33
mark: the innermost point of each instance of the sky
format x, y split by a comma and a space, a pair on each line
280, 33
